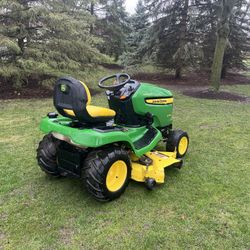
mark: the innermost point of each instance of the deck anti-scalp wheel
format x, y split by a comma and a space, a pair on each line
106, 173
178, 140
47, 155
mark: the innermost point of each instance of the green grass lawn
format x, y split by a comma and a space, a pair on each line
239, 89
203, 206
247, 63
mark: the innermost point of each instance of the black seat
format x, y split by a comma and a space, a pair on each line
72, 99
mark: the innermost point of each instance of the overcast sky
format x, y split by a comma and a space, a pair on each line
130, 6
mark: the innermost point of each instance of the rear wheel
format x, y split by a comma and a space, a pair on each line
47, 155
106, 173
178, 140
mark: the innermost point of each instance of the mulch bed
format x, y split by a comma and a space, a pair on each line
199, 79
221, 95
191, 79
29, 92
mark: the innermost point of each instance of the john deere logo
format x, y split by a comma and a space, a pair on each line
63, 88
160, 101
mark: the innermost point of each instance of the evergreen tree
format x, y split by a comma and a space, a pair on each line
238, 39
205, 29
111, 26
184, 33
137, 40
171, 38
40, 39
44, 39
182, 39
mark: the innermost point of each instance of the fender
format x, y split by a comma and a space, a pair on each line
91, 138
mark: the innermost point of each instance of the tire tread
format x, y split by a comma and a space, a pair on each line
93, 171
46, 155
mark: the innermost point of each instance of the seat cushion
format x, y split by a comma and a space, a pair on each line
95, 112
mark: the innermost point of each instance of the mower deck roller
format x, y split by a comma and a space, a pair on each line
106, 147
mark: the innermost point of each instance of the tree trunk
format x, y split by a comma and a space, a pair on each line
221, 42
217, 62
20, 42
182, 41
92, 12
223, 72
178, 71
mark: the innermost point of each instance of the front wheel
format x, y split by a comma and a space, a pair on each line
178, 140
106, 173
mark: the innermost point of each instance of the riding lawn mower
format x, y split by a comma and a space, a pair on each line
106, 147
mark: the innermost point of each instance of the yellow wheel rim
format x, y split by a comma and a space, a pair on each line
183, 145
116, 176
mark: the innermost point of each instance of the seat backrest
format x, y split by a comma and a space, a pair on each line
71, 98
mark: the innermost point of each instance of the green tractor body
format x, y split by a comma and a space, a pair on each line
107, 147
131, 132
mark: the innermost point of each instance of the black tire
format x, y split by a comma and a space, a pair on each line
173, 142
47, 155
96, 168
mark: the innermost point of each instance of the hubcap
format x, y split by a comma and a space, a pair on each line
116, 176
183, 144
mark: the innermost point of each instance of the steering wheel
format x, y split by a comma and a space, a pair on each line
117, 83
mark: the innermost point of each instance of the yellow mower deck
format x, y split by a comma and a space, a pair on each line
155, 170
